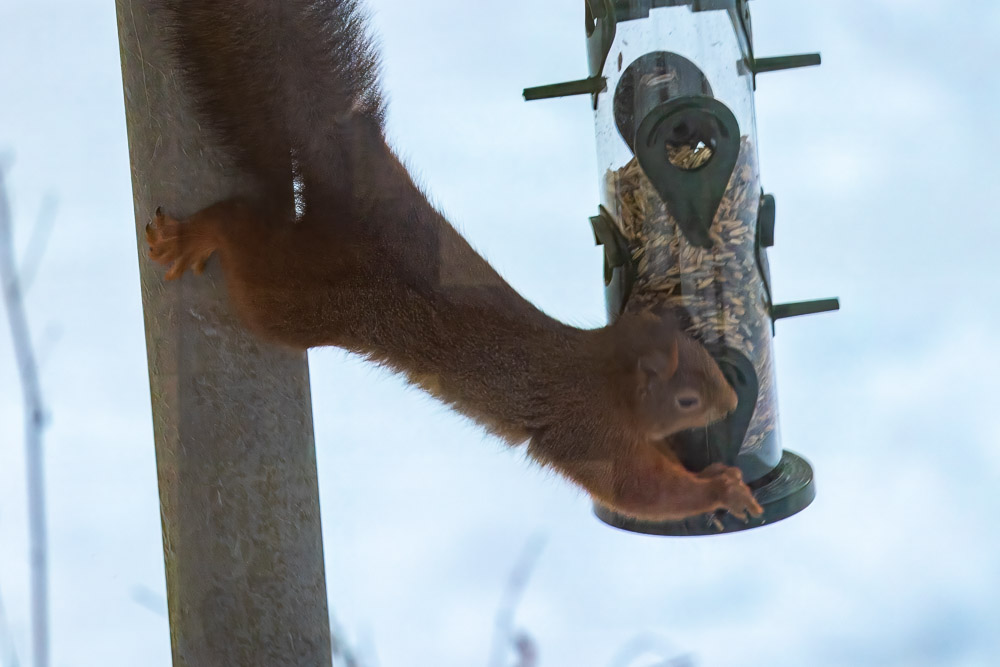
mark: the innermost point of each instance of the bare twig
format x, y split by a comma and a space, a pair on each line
144, 596
504, 638
39, 238
526, 650
343, 654
34, 423
365, 649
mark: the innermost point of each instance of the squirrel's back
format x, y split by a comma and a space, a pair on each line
279, 80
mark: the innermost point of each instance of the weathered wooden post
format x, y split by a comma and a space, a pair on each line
232, 418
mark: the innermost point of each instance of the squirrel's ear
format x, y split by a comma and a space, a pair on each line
660, 364
673, 358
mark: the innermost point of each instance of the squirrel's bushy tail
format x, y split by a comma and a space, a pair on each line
278, 80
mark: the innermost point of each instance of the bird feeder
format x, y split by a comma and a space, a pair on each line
685, 225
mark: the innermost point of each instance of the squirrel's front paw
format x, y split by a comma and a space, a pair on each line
173, 242
732, 494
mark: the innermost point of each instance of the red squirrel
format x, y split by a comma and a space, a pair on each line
363, 261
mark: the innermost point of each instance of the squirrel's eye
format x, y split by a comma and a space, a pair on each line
688, 402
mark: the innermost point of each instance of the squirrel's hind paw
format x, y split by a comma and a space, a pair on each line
178, 245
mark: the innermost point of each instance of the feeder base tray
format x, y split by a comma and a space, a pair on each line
786, 490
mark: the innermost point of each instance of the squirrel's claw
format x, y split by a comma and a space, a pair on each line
734, 496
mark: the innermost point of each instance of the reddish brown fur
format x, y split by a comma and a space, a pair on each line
370, 266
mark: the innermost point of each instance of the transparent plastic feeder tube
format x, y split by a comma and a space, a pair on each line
677, 154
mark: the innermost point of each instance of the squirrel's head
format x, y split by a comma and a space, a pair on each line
678, 385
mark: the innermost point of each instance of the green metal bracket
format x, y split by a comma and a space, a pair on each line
602, 18
601, 25
589, 86
762, 65
720, 442
765, 221
778, 63
765, 232
630, 10
606, 234
783, 310
619, 269
692, 195
765, 239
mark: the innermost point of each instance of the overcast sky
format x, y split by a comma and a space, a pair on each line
884, 165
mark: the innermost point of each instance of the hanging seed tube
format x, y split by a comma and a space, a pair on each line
680, 221
717, 292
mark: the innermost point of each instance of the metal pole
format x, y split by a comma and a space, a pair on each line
232, 418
